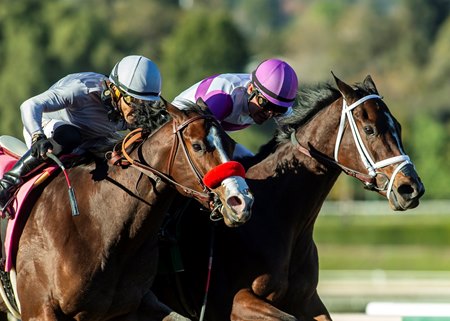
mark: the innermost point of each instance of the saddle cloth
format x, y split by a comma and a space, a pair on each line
11, 150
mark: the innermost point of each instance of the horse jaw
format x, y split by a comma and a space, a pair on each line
236, 209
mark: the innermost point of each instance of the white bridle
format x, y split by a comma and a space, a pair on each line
370, 165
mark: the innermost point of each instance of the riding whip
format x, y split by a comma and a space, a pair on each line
72, 199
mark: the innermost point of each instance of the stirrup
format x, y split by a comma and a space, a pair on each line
6, 210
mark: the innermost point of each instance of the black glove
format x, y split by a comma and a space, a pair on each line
40, 146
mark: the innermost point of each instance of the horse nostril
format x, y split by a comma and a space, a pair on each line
405, 189
234, 201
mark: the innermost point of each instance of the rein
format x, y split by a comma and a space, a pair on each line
136, 135
368, 179
365, 178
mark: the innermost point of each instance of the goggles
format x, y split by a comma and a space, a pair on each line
265, 104
136, 103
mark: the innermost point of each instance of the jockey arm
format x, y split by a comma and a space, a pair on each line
53, 99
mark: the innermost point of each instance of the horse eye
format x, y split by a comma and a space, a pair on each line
197, 147
369, 130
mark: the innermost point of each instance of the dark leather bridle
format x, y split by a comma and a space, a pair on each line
206, 196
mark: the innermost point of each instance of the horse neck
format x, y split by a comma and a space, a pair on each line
156, 150
150, 195
320, 132
304, 181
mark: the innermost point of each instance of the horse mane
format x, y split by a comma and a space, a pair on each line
152, 117
310, 100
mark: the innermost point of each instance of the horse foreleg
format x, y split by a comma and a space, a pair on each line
153, 309
312, 308
318, 309
248, 306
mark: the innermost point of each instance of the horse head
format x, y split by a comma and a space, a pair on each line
370, 133
200, 162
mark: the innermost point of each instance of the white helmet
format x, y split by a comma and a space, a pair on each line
138, 77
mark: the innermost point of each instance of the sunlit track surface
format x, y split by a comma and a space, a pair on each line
351, 291
362, 317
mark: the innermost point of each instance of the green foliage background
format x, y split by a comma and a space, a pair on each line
385, 242
403, 44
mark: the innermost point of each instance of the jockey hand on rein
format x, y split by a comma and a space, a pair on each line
40, 146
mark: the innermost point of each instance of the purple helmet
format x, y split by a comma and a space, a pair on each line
277, 81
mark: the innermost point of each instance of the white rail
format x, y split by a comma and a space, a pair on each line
430, 207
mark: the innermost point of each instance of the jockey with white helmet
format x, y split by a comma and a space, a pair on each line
80, 111
239, 100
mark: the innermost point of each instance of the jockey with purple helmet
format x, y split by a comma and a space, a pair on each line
239, 100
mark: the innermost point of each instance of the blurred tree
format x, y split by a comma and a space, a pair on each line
75, 38
139, 26
204, 43
198, 4
261, 23
311, 41
422, 21
431, 152
438, 71
22, 56
42, 41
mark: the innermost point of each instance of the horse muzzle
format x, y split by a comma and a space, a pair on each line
238, 201
407, 191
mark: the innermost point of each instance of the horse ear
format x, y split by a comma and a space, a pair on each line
370, 85
346, 90
172, 110
202, 104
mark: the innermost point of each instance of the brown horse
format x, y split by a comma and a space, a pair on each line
100, 265
268, 268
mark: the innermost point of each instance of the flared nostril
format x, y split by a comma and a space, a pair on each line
408, 191
405, 189
234, 201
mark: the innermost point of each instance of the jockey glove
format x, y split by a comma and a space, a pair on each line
40, 146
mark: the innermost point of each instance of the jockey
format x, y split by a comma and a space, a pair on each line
79, 111
240, 100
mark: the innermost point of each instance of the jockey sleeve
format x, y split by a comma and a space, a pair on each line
226, 97
75, 99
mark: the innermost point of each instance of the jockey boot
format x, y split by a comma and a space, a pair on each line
14, 178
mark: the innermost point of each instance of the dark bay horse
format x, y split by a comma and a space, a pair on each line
268, 268
100, 265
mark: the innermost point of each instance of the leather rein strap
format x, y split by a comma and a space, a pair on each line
367, 179
136, 136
